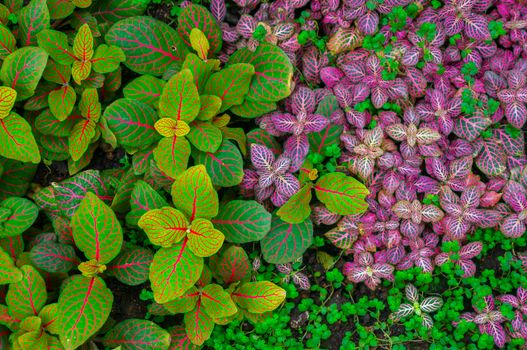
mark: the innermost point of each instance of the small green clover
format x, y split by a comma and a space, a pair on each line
496, 29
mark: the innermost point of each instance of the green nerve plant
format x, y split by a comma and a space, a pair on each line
179, 276
67, 83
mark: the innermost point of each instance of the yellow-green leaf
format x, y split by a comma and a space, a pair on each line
17, 139
171, 155
200, 43
164, 226
194, 195
9, 273
258, 297
83, 307
173, 271
180, 98
80, 138
203, 239
168, 127
217, 303
7, 100
26, 297
297, 208
96, 230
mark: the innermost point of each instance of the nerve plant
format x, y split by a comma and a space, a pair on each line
420, 308
180, 280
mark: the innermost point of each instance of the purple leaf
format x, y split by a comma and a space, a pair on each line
261, 157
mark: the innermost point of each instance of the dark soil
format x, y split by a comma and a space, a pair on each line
126, 303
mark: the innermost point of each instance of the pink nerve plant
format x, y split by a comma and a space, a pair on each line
365, 269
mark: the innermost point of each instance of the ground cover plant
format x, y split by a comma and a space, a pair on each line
246, 174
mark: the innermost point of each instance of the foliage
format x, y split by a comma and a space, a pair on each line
200, 158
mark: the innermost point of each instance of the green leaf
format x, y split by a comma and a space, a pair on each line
62, 101
137, 334
327, 106
14, 246
173, 271
258, 297
19, 215
80, 138
286, 242
15, 178
16, 139
341, 194
131, 266
9, 272
171, 155
32, 19
194, 195
262, 137
48, 315
59, 9
225, 166
47, 124
180, 340
209, 107
243, 221
237, 135
318, 141
253, 109
147, 43
123, 192
217, 303
112, 11
146, 89
96, 230
197, 16
198, 325
53, 257
107, 58
183, 303
132, 123
26, 297
273, 72
143, 199
206, 137
84, 306
23, 69
56, 45
7, 42
230, 84
297, 209
180, 98
164, 227
234, 265
201, 71
74, 166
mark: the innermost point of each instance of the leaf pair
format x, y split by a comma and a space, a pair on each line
202, 308
188, 117
28, 316
273, 73
87, 130
85, 302
340, 193
82, 57
185, 233
16, 216
167, 226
